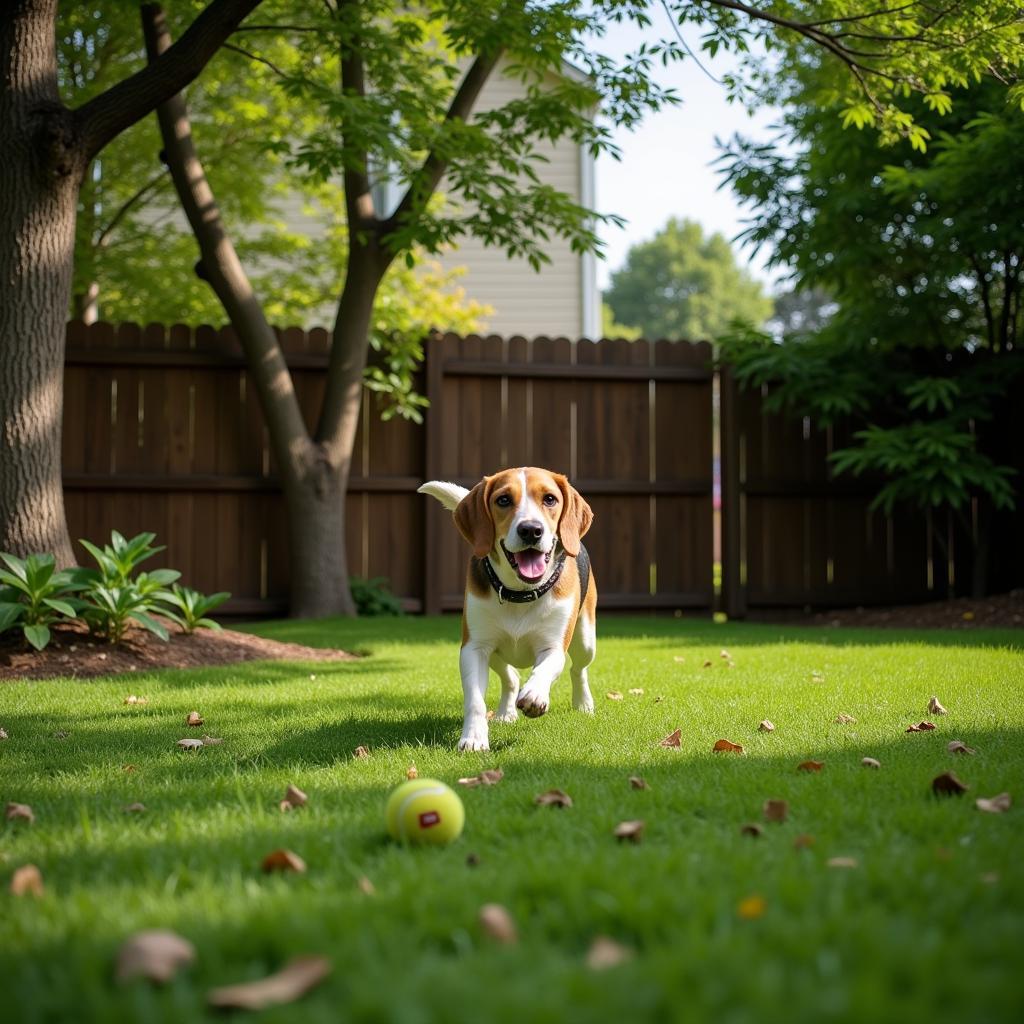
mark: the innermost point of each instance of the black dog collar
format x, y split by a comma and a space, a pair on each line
521, 596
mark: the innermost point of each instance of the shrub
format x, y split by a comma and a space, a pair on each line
374, 597
34, 595
190, 608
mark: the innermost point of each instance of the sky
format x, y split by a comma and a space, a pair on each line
665, 169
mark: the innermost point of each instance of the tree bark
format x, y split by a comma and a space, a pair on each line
40, 169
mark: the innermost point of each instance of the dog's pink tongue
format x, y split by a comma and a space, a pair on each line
531, 564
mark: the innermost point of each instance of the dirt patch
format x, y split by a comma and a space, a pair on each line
73, 652
998, 612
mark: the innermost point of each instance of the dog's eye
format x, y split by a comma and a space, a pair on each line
503, 501
550, 500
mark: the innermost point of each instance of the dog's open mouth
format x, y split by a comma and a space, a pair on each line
529, 564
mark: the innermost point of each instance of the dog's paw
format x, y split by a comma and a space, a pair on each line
533, 705
506, 714
474, 739
586, 705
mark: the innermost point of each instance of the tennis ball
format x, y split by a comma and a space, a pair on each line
424, 811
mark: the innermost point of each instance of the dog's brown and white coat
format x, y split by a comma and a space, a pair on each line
527, 524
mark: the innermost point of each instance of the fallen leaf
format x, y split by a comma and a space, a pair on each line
361, 752
132, 699
658, 700
766, 726
994, 804
673, 739
19, 812
707, 664
3, 734
366, 886
411, 772
947, 784
135, 808
724, 654
921, 727
810, 766
283, 860
285, 806
935, 706
803, 841
27, 881
497, 923
211, 741
605, 953
775, 810
128, 768
637, 691
553, 798
613, 695
727, 746
490, 777
188, 744
156, 954
194, 719
959, 747
472, 860
61, 734
295, 796
870, 762
845, 719
678, 658
636, 782
490, 716
631, 830
751, 908
842, 862
751, 829
293, 981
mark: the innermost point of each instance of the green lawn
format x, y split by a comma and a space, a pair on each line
929, 926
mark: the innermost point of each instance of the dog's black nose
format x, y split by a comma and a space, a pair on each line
531, 531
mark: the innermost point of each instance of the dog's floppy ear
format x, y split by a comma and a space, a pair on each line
576, 518
473, 518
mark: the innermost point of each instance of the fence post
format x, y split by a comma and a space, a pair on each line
734, 597
433, 520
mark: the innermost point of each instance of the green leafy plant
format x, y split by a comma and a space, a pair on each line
190, 609
120, 558
34, 595
374, 597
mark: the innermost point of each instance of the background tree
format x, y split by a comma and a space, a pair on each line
922, 253
683, 285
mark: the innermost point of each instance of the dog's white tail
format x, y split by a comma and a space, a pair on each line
448, 494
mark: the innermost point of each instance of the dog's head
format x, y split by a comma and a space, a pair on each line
523, 512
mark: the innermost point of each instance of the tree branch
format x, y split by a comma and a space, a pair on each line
358, 198
120, 106
258, 59
125, 207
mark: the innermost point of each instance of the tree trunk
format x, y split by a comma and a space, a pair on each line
39, 176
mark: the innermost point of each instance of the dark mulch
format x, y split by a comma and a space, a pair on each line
73, 652
998, 612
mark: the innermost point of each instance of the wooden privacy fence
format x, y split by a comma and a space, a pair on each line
163, 432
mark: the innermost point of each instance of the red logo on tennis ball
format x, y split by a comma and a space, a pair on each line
429, 818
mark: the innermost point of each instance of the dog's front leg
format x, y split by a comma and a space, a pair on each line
473, 662
536, 694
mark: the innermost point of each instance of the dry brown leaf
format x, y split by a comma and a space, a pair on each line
707, 664
673, 739
412, 772
211, 741
472, 860
810, 766
947, 784
631, 830
283, 860
921, 727
727, 746
128, 768
295, 796
497, 923
844, 719
490, 715
766, 726
843, 862
3, 734
605, 953
366, 886
553, 798
19, 812
285, 806
190, 744
613, 695
636, 691
637, 782
292, 982
870, 762
135, 808
156, 954
803, 841
194, 719
489, 777
658, 700
959, 747
27, 881
361, 751
751, 829
935, 707
994, 804
725, 654
751, 908
133, 699
775, 810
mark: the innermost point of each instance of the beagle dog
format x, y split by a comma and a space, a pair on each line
530, 594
